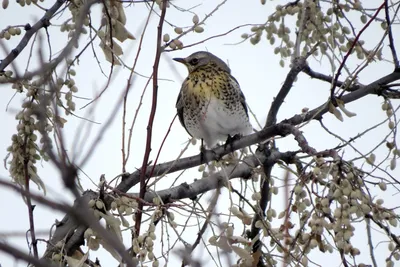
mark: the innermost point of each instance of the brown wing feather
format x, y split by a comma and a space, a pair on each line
241, 95
179, 108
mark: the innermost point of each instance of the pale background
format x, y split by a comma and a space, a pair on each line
255, 67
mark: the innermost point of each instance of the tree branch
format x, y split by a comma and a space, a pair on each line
18, 254
30, 31
343, 63
143, 178
298, 65
241, 170
391, 39
83, 217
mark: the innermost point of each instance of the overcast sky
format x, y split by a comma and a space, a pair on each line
255, 67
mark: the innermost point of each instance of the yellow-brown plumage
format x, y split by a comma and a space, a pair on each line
211, 105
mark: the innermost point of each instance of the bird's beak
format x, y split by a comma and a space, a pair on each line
180, 60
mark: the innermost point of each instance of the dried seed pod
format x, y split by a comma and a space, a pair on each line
166, 38
4, 4
198, 29
178, 30
195, 19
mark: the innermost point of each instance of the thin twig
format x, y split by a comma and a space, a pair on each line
29, 201
391, 39
125, 155
30, 31
370, 245
138, 217
351, 49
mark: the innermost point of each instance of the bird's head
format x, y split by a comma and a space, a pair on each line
202, 58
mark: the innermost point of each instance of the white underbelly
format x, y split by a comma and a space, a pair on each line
214, 123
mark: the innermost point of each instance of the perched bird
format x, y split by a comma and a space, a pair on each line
210, 105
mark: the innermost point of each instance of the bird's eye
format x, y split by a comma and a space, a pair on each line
194, 61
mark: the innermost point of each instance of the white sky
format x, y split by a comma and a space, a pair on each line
255, 67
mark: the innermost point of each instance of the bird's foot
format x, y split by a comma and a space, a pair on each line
207, 155
203, 151
230, 140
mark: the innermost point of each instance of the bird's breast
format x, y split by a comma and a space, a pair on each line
198, 86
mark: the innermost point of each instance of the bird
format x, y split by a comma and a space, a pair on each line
210, 105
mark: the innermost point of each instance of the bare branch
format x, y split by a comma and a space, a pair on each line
390, 33
298, 65
30, 31
18, 254
343, 63
143, 182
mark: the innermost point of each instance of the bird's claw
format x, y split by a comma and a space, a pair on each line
203, 150
205, 155
230, 140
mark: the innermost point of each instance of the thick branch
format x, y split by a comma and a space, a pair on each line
241, 170
214, 181
328, 79
298, 65
82, 215
375, 87
18, 254
385, 91
63, 228
264, 134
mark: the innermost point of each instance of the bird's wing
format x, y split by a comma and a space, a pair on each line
242, 98
179, 108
